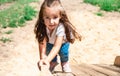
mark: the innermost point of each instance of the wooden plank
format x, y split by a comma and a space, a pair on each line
117, 61
90, 70
111, 67
104, 71
63, 74
77, 72
83, 70
58, 72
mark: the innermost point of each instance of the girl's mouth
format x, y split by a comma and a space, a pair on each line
52, 25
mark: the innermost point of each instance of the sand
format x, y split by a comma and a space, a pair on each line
100, 40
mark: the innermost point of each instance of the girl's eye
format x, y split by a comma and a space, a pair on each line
46, 17
55, 17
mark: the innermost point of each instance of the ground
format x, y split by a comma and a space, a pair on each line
100, 40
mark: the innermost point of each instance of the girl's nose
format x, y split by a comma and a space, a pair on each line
51, 21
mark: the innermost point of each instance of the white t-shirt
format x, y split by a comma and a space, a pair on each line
58, 31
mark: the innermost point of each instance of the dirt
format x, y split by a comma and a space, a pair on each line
5, 6
100, 40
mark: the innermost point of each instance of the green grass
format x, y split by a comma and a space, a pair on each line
19, 1
107, 5
6, 1
17, 14
8, 32
4, 39
99, 14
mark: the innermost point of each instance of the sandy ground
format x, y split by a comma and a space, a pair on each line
100, 40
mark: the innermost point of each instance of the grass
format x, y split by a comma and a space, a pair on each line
19, 1
8, 32
6, 1
107, 5
17, 14
4, 39
99, 14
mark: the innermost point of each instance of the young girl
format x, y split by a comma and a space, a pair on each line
54, 33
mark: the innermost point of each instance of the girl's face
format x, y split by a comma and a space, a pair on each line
51, 17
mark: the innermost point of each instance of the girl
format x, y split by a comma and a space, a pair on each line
54, 32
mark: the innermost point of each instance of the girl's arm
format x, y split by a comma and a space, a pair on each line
55, 49
42, 49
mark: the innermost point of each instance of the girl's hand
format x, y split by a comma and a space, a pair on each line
40, 63
43, 62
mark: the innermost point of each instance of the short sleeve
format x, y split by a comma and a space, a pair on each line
60, 30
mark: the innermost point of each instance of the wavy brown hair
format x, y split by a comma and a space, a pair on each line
40, 28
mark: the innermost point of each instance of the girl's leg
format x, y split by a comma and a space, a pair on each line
53, 63
52, 66
64, 57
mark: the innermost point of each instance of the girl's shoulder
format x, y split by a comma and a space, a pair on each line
60, 29
60, 26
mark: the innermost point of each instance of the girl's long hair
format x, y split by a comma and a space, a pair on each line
40, 28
